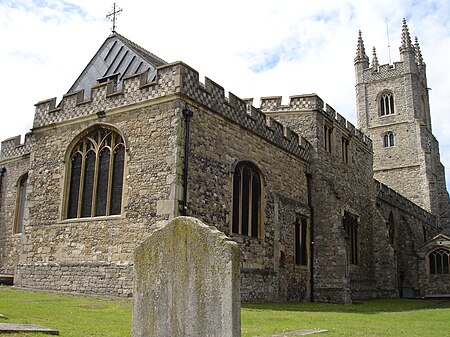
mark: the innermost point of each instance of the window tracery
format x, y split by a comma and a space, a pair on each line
439, 261
96, 175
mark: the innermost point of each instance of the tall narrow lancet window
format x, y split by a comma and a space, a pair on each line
96, 175
21, 204
301, 241
386, 104
246, 200
350, 223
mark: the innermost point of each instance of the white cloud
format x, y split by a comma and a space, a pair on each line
252, 48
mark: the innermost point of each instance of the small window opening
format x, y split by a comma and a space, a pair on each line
389, 139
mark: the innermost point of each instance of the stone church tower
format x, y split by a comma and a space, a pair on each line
393, 110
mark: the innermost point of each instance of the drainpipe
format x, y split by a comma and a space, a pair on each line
2, 171
311, 234
187, 115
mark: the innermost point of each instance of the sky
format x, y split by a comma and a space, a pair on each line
253, 48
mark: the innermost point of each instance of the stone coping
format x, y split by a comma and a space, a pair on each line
11, 327
6, 279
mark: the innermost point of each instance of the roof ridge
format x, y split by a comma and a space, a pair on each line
144, 52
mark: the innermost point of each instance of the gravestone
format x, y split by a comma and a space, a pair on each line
186, 282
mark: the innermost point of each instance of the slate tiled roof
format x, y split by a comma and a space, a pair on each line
117, 57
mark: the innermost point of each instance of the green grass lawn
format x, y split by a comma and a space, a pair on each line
83, 315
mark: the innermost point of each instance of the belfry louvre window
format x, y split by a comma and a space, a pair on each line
389, 140
439, 261
246, 200
96, 175
350, 223
21, 204
386, 104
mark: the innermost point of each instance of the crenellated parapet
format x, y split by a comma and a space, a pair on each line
104, 97
11, 147
383, 71
390, 196
242, 112
171, 79
312, 102
297, 102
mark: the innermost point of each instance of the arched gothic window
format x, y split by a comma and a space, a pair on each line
386, 104
439, 261
246, 200
96, 168
21, 203
389, 139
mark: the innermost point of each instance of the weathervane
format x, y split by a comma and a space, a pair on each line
113, 15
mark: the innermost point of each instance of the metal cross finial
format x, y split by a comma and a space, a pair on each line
112, 16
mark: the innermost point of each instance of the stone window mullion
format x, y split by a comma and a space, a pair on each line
95, 183
82, 175
250, 201
241, 184
110, 175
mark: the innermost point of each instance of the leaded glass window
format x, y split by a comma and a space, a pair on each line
439, 261
246, 200
96, 175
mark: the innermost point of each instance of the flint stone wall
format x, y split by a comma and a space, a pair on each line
433, 285
10, 242
102, 278
186, 282
50, 240
336, 187
268, 268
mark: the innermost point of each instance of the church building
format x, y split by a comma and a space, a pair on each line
322, 210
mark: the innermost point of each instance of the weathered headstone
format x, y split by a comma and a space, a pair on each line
186, 282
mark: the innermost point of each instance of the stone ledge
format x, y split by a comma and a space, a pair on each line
10, 327
6, 279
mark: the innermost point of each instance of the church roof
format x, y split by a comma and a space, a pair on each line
117, 58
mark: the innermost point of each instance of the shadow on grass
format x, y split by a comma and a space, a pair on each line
361, 307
